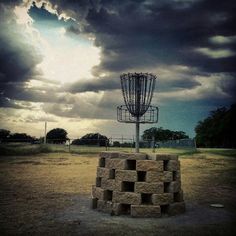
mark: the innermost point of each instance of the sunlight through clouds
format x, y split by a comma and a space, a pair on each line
61, 61
65, 63
65, 58
216, 53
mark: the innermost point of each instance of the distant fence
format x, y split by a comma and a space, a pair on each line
181, 143
104, 144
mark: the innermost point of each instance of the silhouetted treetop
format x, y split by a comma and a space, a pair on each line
161, 134
57, 135
92, 139
218, 129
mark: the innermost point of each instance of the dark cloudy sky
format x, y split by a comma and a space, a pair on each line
60, 61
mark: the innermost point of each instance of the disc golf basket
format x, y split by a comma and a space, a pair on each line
137, 89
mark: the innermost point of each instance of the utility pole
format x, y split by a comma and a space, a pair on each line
153, 143
45, 133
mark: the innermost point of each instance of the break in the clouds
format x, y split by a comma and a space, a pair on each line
61, 60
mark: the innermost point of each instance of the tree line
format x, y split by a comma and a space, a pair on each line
217, 130
7, 136
160, 134
59, 136
54, 136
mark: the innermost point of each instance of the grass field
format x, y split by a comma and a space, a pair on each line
12, 149
48, 194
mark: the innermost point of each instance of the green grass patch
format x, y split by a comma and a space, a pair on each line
20, 149
23, 150
219, 151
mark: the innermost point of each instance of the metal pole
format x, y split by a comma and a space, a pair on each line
137, 136
98, 140
106, 144
137, 101
153, 143
45, 133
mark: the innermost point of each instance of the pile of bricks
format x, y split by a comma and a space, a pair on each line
138, 184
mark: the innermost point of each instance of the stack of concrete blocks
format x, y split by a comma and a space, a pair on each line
138, 184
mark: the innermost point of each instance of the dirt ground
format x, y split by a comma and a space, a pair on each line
49, 194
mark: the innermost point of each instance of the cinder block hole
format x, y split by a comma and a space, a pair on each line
146, 198
165, 164
166, 187
176, 197
127, 186
142, 176
98, 182
108, 195
112, 174
131, 165
164, 209
125, 209
94, 203
102, 162
174, 175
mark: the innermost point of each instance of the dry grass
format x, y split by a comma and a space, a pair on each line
209, 178
57, 172
34, 189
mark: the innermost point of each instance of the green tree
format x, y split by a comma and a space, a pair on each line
161, 134
4, 135
20, 137
92, 139
57, 135
116, 144
229, 128
218, 129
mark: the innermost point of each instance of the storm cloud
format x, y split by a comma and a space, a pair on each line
190, 45
140, 36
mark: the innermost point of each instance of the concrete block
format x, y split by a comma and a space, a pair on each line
94, 202
103, 172
98, 193
133, 156
116, 209
167, 176
162, 199
159, 176
126, 197
108, 184
154, 176
173, 187
166, 157
176, 208
173, 165
120, 209
118, 186
144, 187
149, 165
109, 154
126, 175
145, 211
138, 185
104, 206
116, 164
